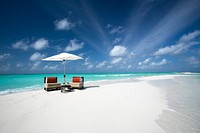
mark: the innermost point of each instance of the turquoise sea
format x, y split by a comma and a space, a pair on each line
12, 83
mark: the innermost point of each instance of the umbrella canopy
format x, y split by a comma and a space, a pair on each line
63, 57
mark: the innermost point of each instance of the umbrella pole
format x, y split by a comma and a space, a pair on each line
64, 73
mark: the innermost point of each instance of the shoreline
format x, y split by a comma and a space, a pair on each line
87, 83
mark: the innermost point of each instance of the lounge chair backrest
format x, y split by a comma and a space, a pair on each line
50, 79
76, 79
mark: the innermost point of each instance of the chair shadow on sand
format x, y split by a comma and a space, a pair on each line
88, 87
72, 90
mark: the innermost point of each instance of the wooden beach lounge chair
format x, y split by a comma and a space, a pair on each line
50, 83
77, 82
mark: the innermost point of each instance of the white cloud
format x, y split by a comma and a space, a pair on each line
162, 62
109, 66
116, 60
88, 63
145, 61
117, 40
35, 65
118, 50
36, 56
40, 44
184, 43
129, 66
173, 49
190, 36
64, 24
101, 64
19, 65
182, 15
74, 45
193, 60
117, 30
108, 26
5, 67
51, 67
90, 66
5, 56
20, 45
131, 55
148, 63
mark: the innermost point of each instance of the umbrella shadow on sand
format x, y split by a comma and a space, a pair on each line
72, 90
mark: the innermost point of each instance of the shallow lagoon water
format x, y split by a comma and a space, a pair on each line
12, 83
183, 99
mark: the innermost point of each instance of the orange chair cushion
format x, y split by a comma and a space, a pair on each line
51, 79
76, 79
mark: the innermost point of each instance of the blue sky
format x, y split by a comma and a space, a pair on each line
111, 36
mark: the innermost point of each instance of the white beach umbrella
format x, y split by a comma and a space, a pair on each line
63, 57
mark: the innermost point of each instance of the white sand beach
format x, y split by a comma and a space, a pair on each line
124, 107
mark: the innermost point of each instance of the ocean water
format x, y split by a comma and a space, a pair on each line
24, 82
183, 99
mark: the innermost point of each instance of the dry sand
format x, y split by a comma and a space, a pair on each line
129, 107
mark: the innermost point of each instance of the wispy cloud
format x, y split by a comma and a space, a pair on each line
23, 45
36, 56
5, 56
108, 26
129, 66
116, 60
101, 64
51, 67
26, 44
63, 24
149, 63
35, 66
88, 63
146, 61
40, 44
193, 60
5, 67
162, 62
117, 40
19, 65
94, 23
190, 36
131, 55
74, 45
184, 43
117, 30
134, 23
181, 15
